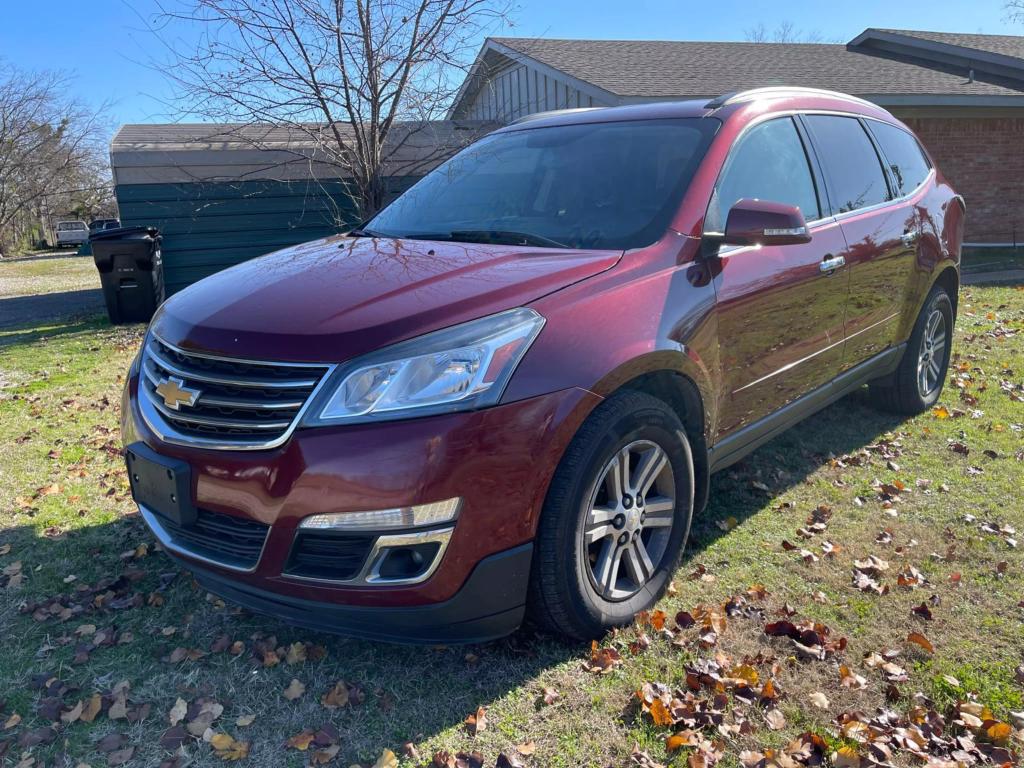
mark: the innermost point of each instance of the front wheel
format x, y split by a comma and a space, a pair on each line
616, 518
917, 382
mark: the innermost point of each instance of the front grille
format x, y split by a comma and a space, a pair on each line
241, 404
226, 539
328, 555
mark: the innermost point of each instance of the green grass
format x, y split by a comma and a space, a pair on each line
49, 272
65, 511
977, 260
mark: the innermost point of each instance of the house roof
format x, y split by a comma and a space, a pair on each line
680, 69
1003, 45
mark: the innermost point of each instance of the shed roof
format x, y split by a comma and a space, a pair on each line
191, 152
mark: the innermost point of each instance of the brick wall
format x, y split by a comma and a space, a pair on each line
983, 158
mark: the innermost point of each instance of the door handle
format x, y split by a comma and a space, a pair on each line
831, 264
909, 237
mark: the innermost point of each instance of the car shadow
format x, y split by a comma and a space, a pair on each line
411, 693
788, 460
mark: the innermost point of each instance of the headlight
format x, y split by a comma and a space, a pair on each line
459, 368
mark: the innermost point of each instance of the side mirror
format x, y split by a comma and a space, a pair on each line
761, 222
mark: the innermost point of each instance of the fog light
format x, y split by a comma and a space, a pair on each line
417, 516
407, 562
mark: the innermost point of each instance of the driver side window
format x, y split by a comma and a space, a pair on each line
769, 163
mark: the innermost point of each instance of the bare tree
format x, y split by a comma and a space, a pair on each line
49, 146
350, 76
784, 32
1014, 10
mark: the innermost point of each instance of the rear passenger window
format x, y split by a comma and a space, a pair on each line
852, 168
768, 163
903, 154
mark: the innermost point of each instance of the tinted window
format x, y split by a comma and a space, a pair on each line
903, 154
768, 163
854, 172
599, 185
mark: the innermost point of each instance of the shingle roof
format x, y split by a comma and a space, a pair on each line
194, 137
658, 69
1004, 45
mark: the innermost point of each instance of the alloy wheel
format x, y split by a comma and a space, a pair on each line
931, 354
629, 520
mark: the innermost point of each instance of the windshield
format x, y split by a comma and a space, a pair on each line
599, 185
64, 226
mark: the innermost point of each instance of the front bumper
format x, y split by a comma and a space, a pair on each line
491, 604
499, 461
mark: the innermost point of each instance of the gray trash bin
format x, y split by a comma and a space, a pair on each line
131, 272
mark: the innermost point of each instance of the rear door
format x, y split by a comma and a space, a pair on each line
780, 313
881, 230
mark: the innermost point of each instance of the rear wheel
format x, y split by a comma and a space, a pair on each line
615, 520
917, 382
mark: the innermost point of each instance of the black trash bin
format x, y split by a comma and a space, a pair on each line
131, 272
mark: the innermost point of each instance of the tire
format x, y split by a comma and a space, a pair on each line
906, 392
575, 588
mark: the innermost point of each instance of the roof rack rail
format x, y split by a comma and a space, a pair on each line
551, 113
779, 91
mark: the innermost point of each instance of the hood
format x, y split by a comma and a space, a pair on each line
334, 299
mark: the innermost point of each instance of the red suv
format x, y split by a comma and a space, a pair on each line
504, 395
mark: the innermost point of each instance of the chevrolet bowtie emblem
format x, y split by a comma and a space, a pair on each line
175, 393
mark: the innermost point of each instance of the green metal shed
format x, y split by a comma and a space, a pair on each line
222, 194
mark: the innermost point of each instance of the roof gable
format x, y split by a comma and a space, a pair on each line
655, 68
649, 70
1009, 46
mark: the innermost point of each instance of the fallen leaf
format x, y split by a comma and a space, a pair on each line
227, 748
294, 690
477, 722
337, 697
301, 741
776, 720
178, 711
918, 639
526, 749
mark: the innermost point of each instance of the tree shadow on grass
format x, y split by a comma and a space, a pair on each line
31, 311
411, 693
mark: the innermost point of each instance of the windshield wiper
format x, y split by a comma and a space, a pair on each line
363, 233
488, 236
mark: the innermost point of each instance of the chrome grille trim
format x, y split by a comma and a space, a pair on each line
258, 406
232, 381
272, 405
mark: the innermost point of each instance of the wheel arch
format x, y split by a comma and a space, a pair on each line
679, 378
680, 393
949, 278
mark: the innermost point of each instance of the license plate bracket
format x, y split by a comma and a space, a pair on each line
161, 483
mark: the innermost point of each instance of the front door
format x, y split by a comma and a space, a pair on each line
780, 309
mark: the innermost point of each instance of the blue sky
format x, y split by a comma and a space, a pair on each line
104, 44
